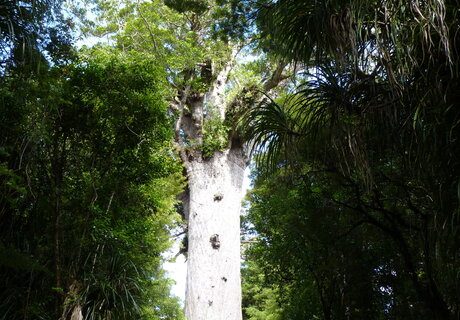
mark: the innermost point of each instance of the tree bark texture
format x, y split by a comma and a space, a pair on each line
213, 289
211, 204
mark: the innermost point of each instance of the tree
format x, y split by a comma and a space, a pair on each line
373, 115
260, 301
88, 188
182, 36
324, 260
31, 31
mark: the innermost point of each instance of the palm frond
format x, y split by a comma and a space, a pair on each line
271, 127
326, 118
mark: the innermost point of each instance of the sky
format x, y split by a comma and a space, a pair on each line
177, 271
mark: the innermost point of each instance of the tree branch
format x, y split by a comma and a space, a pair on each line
276, 77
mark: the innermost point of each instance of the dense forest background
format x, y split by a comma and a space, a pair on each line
355, 210
88, 182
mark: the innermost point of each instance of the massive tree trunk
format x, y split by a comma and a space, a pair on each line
211, 205
213, 275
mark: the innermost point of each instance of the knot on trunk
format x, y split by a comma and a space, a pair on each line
215, 243
218, 196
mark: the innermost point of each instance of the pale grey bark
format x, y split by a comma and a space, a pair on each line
212, 208
213, 289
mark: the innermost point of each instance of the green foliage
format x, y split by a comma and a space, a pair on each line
232, 20
362, 151
328, 262
195, 6
89, 182
248, 75
179, 40
30, 33
88, 175
215, 136
164, 32
259, 299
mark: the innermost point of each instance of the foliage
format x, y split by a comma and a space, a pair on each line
367, 145
176, 37
195, 6
259, 299
233, 20
88, 188
30, 32
215, 136
327, 261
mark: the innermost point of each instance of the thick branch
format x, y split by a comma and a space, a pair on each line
276, 77
215, 96
178, 105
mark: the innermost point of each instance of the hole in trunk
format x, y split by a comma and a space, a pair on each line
215, 243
